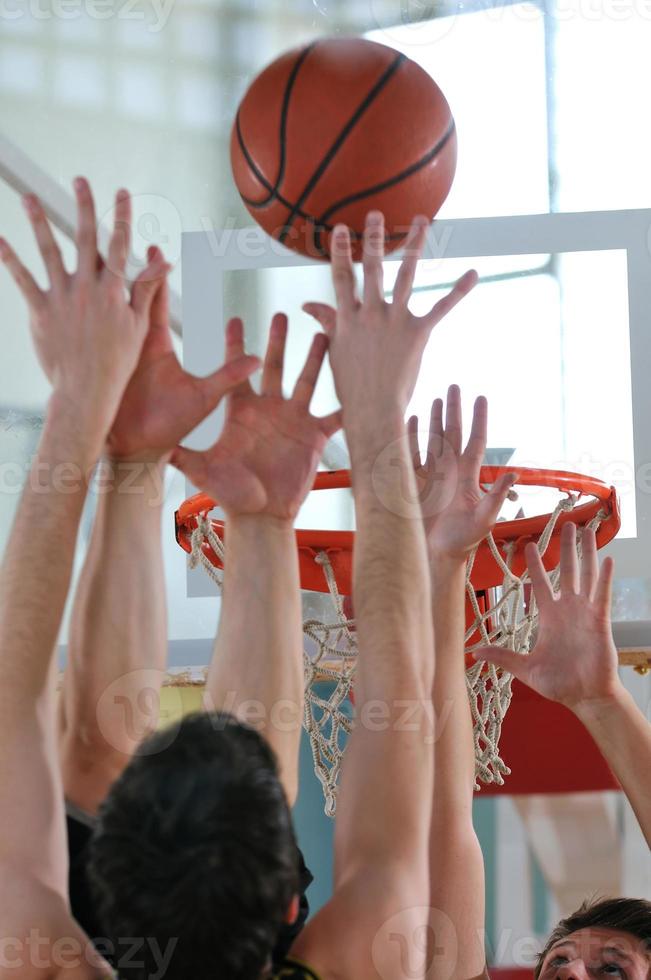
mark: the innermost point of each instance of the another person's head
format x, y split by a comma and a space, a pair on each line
611, 937
195, 844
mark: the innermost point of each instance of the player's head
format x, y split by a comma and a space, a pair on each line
611, 937
195, 844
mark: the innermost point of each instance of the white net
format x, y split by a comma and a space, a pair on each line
508, 619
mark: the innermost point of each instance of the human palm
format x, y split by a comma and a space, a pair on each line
572, 632
574, 660
372, 339
163, 402
87, 333
457, 513
266, 458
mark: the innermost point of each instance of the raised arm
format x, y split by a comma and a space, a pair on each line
118, 634
380, 909
260, 472
89, 337
575, 663
457, 515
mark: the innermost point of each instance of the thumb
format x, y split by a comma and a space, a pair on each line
323, 314
331, 424
192, 464
146, 286
491, 503
217, 385
513, 663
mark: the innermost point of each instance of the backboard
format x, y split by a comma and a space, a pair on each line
555, 334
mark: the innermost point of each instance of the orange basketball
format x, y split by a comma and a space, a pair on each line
333, 130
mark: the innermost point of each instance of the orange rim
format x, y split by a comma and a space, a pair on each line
486, 574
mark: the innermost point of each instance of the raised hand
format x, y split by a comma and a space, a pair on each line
574, 660
266, 458
457, 513
162, 402
88, 333
376, 347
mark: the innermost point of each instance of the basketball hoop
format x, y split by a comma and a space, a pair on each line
500, 606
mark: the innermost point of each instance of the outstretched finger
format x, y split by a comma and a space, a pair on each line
542, 587
435, 441
21, 276
459, 291
159, 314
274, 361
120, 242
147, 285
234, 339
373, 254
569, 577
453, 424
47, 245
413, 250
343, 275
589, 563
234, 351
324, 314
222, 382
309, 376
476, 448
412, 439
513, 663
603, 595
86, 229
191, 463
491, 503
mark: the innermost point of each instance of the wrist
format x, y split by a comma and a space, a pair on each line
445, 563
368, 438
153, 457
134, 481
260, 524
73, 431
447, 574
595, 710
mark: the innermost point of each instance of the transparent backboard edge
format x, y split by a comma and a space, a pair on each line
206, 256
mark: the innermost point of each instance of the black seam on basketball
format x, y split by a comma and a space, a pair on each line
285, 110
273, 190
277, 196
341, 138
377, 188
256, 173
321, 226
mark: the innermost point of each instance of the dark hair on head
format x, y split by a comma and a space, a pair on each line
631, 915
195, 844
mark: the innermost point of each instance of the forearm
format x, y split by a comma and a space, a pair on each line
623, 735
455, 858
34, 583
391, 581
118, 632
37, 567
388, 765
261, 611
455, 750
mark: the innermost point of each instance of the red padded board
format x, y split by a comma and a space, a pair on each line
548, 750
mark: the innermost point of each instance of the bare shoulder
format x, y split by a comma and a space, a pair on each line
39, 939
